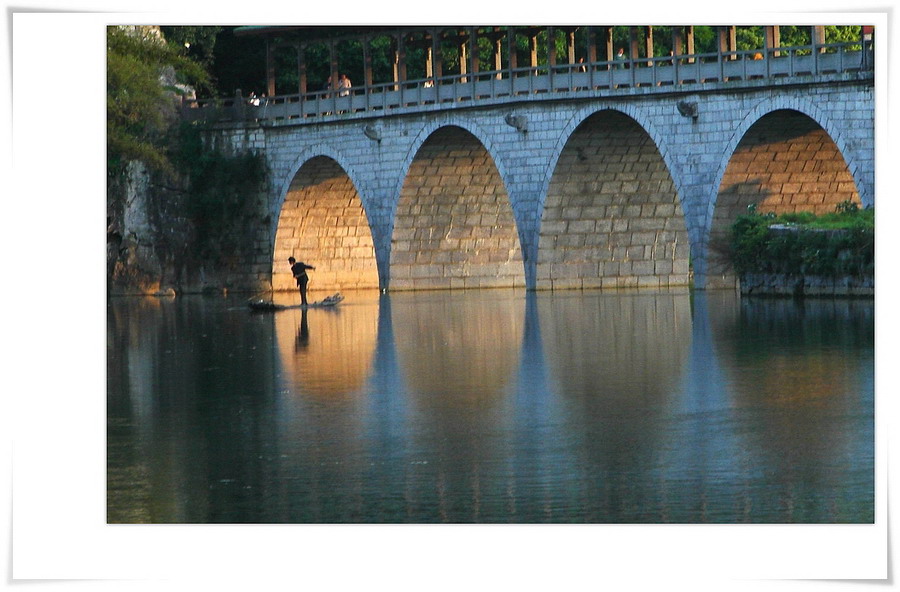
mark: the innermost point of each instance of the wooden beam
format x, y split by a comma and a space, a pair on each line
648, 43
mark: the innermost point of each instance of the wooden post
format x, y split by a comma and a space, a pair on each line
732, 41
437, 61
498, 55
332, 58
690, 42
591, 39
301, 69
463, 57
533, 41
818, 37
773, 40
270, 69
367, 62
551, 47
395, 62
633, 44
648, 44
473, 50
677, 41
721, 41
570, 42
511, 50
401, 59
608, 43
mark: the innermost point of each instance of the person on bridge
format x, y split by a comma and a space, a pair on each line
344, 85
298, 269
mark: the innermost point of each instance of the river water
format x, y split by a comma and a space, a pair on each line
492, 406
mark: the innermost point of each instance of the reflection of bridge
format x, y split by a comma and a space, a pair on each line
583, 174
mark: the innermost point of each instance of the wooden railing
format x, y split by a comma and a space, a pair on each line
666, 74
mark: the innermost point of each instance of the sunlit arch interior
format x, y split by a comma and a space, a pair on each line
454, 226
323, 223
612, 217
786, 162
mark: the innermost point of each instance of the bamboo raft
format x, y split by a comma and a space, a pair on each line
268, 305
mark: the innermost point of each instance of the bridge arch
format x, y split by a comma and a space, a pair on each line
321, 219
453, 221
425, 133
610, 214
785, 156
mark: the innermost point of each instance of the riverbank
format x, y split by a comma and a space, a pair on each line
801, 254
780, 284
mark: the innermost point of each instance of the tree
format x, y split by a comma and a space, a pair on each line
143, 72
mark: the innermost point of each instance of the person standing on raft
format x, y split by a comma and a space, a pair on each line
299, 271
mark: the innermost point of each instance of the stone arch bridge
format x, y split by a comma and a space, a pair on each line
586, 178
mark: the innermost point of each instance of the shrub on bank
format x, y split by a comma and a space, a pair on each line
841, 243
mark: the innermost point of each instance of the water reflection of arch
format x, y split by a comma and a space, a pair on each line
448, 353
808, 404
327, 353
781, 160
616, 361
459, 359
611, 215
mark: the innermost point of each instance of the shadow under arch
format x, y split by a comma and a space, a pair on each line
611, 215
454, 225
322, 222
784, 161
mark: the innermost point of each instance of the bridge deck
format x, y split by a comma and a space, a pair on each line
684, 73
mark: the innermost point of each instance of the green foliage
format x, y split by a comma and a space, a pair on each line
218, 188
143, 71
139, 104
198, 41
835, 244
749, 38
